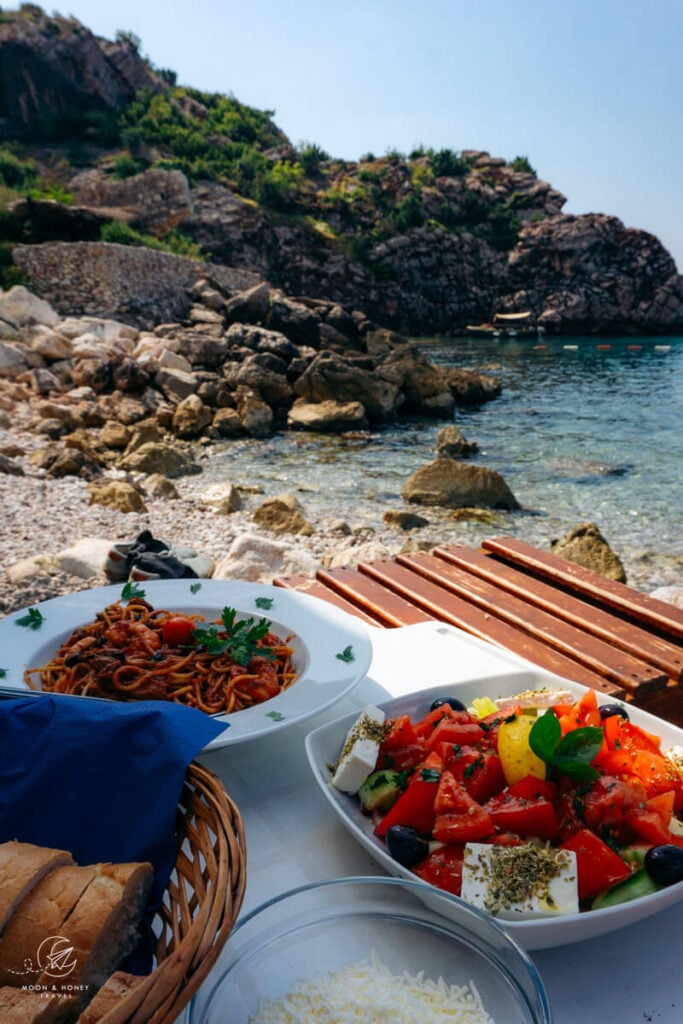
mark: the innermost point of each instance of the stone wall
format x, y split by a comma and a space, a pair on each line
143, 287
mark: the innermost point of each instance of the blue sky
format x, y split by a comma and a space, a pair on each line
591, 91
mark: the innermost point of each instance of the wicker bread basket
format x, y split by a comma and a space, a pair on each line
200, 905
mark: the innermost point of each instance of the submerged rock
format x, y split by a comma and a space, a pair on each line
452, 484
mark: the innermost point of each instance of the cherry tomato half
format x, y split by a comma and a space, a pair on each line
177, 631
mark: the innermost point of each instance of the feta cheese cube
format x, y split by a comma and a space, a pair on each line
359, 753
516, 883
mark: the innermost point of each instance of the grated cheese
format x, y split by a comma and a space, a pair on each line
368, 992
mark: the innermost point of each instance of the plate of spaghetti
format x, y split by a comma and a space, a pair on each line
258, 657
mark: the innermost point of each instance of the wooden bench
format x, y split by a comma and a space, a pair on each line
556, 614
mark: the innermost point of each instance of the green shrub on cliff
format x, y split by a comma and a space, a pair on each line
119, 233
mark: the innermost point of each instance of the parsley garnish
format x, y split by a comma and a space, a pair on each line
131, 590
3, 673
264, 602
347, 654
570, 754
32, 620
239, 639
430, 775
275, 715
195, 588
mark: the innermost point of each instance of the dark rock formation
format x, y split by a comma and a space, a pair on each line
55, 74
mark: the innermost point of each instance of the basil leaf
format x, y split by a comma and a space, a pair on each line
545, 735
580, 744
578, 770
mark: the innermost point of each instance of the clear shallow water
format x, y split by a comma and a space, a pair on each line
585, 430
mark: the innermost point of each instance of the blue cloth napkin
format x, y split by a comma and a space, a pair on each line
97, 778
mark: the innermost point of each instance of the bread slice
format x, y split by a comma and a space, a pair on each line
114, 990
102, 928
22, 866
18, 1006
38, 918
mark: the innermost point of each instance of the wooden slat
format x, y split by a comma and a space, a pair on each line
609, 627
372, 598
304, 585
448, 607
618, 666
657, 614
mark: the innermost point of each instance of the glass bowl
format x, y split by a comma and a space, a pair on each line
390, 924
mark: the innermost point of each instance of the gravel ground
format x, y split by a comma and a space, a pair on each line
43, 516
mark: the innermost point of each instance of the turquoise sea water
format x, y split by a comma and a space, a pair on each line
586, 429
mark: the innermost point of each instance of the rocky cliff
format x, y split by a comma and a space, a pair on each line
423, 243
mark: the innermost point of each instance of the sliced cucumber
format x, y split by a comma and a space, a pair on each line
632, 888
380, 791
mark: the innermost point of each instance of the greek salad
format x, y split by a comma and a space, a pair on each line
539, 804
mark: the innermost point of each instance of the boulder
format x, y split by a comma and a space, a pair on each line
300, 324
24, 309
226, 423
73, 462
255, 416
223, 498
9, 467
156, 485
117, 494
327, 416
191, 417
404, 520
452, 444
13, 359
283, 514
331, 377
250, 306
452, 484
159, 458
174, 384
86, 558
267, 380
585, 545
255, 558
115, 435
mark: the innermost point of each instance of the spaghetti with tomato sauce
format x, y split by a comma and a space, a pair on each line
134, 652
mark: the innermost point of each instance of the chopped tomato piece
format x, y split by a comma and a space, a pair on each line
531, 788
656, 773
459, 818
402, 748
426, 726
598, 866
443, 868
451, 730
523, 816
479, 771
415, 806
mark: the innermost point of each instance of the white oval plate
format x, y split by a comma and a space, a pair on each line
321, 633
324, 744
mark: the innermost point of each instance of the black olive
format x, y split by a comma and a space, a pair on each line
453, 702
664, 864
607, 710
406, 845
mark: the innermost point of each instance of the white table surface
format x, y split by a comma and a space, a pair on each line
633, 976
